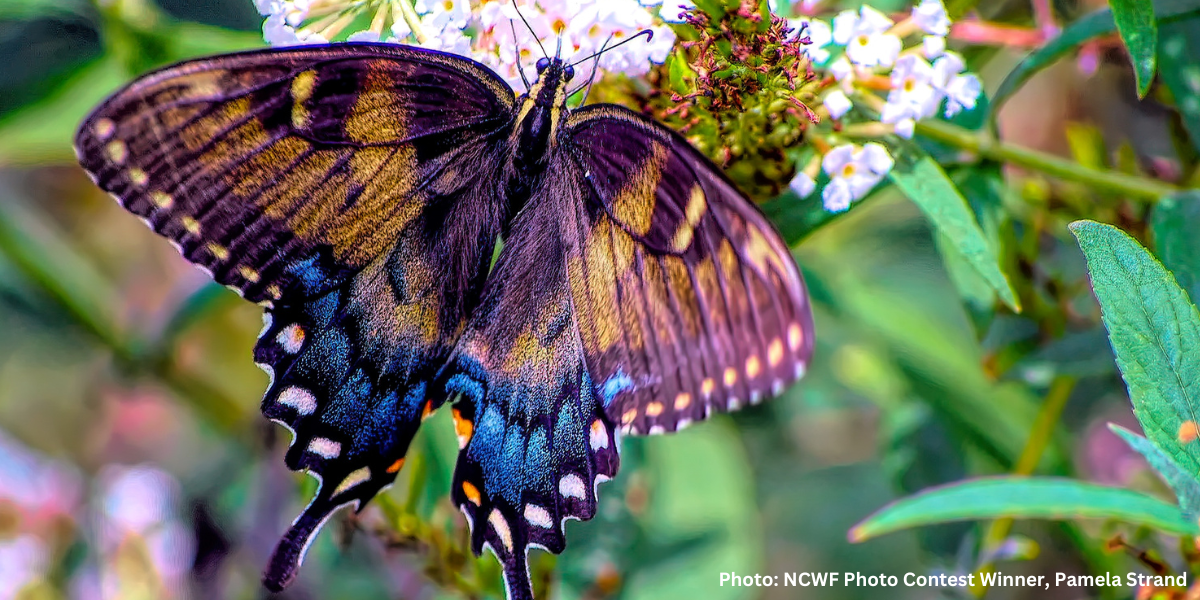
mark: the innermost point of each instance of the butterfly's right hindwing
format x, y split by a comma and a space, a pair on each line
352, 189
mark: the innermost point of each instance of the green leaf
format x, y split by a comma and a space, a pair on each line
923, 181
1179, 70
687, 502
1174, 222
1185, 486
680, 72
1154, 331
715, 9
42, 133
1135, 22
1023, 498
1085, 28
13, 10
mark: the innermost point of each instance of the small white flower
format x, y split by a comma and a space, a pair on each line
836, 197
864, 34
933, 46
802, 184
961, 90
962, 93
400, 30
660, 46
363, 36
278, 32
450, 40
842, 70
837, 104
913, 95
905, 128
930, 15
438, 15
853, 172
819, 35
267, 7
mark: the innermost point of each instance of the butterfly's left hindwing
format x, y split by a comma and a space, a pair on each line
535, 438
354, 190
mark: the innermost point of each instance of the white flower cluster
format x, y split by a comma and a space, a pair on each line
493, 32
920, 81
864, 51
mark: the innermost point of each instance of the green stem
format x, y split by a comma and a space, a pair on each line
1039, 439
1134, 186
411, 18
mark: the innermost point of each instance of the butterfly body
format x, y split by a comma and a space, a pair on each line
357, 191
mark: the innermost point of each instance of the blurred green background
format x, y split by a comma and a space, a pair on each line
134, 462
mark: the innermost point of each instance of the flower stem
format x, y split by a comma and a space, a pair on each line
1039, 439
1134, 186
410, 17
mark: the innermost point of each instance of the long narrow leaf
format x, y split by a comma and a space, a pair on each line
926, 184
1085, 28
1022, 498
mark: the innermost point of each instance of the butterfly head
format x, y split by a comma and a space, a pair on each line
553, 76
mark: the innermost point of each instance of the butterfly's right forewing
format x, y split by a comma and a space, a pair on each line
355, 191
688, 300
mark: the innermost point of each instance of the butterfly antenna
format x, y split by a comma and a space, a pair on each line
592, 77
517, 8
646, 32
520, 69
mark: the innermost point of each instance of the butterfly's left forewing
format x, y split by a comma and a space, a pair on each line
352, 189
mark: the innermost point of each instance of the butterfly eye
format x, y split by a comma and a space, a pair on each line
542, 65
569, 73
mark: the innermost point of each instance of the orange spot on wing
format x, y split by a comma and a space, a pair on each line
753, 366
629, 416
775, 352
654, 409
463, 428
1188, 432
707, 386
396, 466
683, 400
428, 410
472, 492
795, 336
730, 376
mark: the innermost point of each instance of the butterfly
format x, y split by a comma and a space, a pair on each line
358, 192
